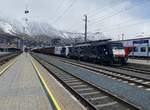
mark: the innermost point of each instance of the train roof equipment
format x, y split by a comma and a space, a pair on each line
97, 42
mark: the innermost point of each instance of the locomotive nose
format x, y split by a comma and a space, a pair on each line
119, 55
119, 52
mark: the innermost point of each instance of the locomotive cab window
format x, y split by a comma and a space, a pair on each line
143, 49
117, 46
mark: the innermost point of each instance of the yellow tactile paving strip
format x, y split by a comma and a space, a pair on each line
20, 88
6, 65
46, 86
64, 99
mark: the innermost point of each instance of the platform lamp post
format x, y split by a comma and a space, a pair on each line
26, 12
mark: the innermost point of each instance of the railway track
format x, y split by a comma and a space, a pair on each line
134, 69
95, 98
7, 57
131, 79
144, 69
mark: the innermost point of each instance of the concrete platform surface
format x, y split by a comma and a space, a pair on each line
136, 61
64, 98
20, 88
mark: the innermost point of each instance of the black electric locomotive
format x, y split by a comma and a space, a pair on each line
103, 51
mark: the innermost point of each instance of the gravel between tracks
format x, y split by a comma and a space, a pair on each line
135, 95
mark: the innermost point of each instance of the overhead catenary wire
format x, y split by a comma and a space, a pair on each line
102, 29
65, 11
126, 26
117, 13
113, 25
99, 10
75, 23
95, 11
114, 14
59, 7
93, 16
64, 18
107, 17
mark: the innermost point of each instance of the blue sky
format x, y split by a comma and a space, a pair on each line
52, 12
142, 10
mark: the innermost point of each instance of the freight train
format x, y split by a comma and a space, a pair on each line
102, 51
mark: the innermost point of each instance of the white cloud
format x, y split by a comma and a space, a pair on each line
49, 10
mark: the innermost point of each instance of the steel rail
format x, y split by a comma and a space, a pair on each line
67, 75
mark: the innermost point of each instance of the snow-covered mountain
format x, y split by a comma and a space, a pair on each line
90, 35
37, 28
7, 28
33, 29
45, 32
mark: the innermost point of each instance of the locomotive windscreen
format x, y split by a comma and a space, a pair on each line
117, 45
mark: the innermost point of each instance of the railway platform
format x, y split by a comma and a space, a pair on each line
26, 85
139, 61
